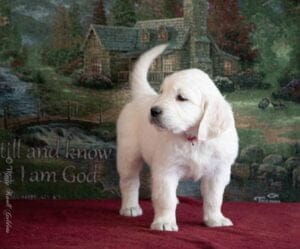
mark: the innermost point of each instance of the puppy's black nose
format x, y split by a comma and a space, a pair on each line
155, 111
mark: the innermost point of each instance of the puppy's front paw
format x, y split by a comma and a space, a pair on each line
131, 212
218, 222
164, 226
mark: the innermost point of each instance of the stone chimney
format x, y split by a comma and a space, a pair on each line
195, 19
195, 16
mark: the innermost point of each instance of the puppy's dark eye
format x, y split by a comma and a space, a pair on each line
179, 97
160, 91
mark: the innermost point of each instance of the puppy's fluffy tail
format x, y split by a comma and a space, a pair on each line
138, 79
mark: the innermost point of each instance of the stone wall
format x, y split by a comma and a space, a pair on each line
120, 67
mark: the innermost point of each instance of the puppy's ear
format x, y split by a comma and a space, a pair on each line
216, 119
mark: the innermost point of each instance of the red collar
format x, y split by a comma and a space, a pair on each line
192, 139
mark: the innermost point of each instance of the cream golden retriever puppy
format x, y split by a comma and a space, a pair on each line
186, 130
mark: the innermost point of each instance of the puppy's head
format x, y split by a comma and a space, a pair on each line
189, 99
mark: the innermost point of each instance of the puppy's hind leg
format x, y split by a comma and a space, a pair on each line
129, 167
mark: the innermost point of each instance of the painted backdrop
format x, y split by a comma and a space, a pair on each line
64, 69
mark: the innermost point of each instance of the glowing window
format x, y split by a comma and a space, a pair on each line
145, 37
228, 68
163, 34
168, 63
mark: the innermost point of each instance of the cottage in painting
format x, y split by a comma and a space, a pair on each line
112, 50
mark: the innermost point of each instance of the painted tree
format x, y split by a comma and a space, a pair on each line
67, 37
149, 9
123, 13
156, 9
99, 16
230, 29
61, 29
173, 8
276, 36
4, 29
10, 38
76, 33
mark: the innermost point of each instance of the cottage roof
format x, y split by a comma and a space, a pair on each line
116, 38
221, 52
128, 39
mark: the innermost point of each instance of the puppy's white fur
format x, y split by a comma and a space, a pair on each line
165, 144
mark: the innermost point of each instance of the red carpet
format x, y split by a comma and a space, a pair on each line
96, 225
